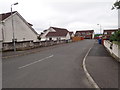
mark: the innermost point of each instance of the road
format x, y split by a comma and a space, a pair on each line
59, 67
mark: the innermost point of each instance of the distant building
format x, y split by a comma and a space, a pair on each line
87, 34
71, 34
108, 33
54, 33
23, 30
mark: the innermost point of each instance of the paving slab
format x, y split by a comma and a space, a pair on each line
103, 68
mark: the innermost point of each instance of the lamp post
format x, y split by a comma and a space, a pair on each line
13, 26
100, 28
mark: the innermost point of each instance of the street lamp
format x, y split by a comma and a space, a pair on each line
13, 26
100, 28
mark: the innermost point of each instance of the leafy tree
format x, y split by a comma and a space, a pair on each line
96, 35
115, 36
116, 5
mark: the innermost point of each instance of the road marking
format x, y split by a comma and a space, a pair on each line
35, 62
92, 82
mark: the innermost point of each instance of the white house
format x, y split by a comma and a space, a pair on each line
54, 33
72, 34
23, 31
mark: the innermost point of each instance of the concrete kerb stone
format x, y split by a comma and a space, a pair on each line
89, 77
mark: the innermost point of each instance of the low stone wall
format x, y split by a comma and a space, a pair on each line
114, 49
8, 46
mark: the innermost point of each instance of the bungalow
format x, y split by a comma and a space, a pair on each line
71, 34
23, 30
54, 33
87, 34
108, 33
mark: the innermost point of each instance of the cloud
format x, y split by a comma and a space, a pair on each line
71, 14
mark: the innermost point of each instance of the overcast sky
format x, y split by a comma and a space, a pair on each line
70, 14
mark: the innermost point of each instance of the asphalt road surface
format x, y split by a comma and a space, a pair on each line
103, 68
59, 67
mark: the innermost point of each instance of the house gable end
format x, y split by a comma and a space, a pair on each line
27, 23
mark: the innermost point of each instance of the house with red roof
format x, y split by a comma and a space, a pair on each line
86, 34
22, 30
55, 34
107, 33
71, 34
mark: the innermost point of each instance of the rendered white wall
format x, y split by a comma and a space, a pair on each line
72, 35
115, 49
0, 32
43, 37
20, 28
67, 36
53, 38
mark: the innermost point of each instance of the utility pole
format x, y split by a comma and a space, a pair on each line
100, 28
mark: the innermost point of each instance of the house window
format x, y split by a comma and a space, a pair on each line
88, 33
108, 33
112, 32
105, 32
58, 39
83, 33
50, 39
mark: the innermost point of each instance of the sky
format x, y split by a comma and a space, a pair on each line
74, 15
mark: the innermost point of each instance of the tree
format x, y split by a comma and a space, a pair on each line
116, 5
115, 36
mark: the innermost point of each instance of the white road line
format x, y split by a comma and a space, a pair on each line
87, 73
35, 62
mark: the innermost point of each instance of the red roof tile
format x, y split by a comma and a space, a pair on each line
59, 32
6, 15
85, 31
3, 16
110, 30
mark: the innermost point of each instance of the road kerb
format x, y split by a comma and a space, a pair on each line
90, 79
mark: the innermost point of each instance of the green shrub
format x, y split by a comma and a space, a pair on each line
115, 36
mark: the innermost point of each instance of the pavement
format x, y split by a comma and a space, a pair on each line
61, 67
103, 68
9, 54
